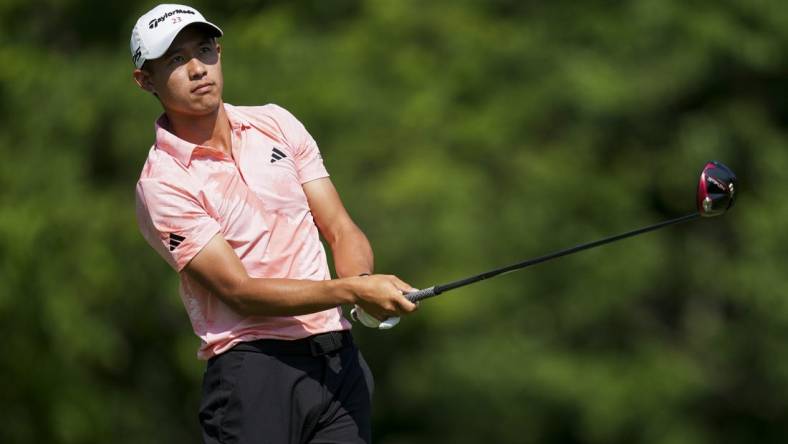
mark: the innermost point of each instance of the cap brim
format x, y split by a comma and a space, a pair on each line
166, 42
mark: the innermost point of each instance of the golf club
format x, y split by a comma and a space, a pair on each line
715, 196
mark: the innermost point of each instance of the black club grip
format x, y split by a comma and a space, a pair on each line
425, 293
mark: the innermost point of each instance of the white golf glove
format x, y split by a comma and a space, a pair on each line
366, 319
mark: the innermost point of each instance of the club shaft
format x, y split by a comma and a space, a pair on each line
438, 289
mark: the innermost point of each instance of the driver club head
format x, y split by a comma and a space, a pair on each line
716, 189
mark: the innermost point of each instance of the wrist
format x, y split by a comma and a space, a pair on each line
344, 289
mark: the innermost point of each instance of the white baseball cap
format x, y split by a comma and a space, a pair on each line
157, 28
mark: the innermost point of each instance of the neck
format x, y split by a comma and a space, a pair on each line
212, 130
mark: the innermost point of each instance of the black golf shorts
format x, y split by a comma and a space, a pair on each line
312, 390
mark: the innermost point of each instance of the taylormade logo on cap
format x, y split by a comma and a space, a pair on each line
156, 29
155, 22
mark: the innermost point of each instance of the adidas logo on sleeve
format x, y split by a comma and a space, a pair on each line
175, 240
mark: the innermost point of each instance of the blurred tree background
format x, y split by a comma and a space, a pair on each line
462, 135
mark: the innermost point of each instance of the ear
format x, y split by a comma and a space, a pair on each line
143, 80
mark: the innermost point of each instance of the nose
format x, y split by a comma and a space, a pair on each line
197, 69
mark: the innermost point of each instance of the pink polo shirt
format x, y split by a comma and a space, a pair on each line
188, 193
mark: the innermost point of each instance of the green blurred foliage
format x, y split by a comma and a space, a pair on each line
462, 135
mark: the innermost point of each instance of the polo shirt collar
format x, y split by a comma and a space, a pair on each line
181, 149
237, 120
172, 144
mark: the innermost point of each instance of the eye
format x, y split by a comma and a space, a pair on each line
177, 60
206, 49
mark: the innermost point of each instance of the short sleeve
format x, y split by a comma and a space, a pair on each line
173, 221
306, 154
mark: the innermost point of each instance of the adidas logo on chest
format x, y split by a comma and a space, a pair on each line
277, 154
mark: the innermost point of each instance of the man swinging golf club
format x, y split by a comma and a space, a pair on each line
234, 199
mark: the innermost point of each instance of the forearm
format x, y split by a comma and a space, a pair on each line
288, 297
352, 253
351, 250
218, 270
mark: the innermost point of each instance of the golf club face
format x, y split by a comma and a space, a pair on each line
716, 189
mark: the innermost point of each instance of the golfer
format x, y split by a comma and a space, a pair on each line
234, 198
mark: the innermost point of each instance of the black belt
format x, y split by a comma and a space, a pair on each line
316, 345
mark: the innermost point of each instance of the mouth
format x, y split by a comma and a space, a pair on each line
202, 88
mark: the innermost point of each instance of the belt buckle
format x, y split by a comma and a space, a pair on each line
325, 343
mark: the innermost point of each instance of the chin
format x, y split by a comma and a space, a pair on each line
205, 107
